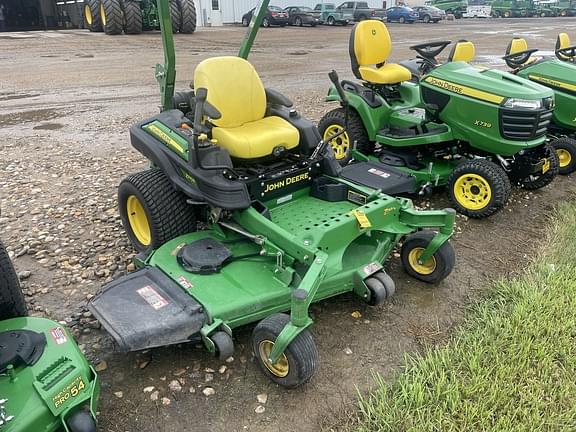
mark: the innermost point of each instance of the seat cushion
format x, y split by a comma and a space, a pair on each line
389, 73
258, 138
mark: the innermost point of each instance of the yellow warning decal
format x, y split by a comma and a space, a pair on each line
552, 82
362, 219
463, 90
164, 137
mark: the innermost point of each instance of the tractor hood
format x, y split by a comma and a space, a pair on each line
488, 85
555, 74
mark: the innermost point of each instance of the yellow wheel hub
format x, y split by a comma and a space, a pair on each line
138, 220
88, 14
564, 156
102, 14
472, 191
281, 367
340, 145
424, 268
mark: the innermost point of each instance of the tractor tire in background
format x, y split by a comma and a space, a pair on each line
111, 16
175, 15
188, 16
12, 302
92, 15
132, 17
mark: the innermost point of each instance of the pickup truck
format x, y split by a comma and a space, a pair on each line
360, 10
331, 16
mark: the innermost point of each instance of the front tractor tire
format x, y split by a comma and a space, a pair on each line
152, 211
298, 362
552, 164
478, 188
566, 151
12, 302
433, 270
92, 15
132, 17
188, 16
333, 122
111, 16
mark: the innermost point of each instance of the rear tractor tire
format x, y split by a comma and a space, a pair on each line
132, 17
92, 15
152, 211
298, 362
188, 16
566, 152
333, 122
534, 182
436, 268
111, 16
478, 188
175, 15
12, 302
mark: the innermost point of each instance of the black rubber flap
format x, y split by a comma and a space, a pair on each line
379, 176
147, 309
20, 348
204, 256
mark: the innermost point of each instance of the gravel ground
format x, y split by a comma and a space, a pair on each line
66, 102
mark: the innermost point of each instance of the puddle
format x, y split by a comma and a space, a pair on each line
48, 126
7, 97
35, 116
299, 52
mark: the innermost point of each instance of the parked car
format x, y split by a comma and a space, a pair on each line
275, 16
332, 16
302, 15
429, 14
402, 14
360, 10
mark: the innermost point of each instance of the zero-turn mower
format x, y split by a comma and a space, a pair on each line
474, 131
245, 214
558, 74
46, 384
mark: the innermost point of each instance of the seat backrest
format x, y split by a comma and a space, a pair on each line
463, 50
234, 88
370, 44
563, 41
516, 45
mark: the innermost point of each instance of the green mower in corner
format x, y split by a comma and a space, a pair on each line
245, 215
558, 74
474, 131
46, 384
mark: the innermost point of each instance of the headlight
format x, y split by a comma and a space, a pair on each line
523, 103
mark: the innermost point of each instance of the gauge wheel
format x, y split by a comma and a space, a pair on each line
478, 188
152, 211
433, 270
381, 287
566, 152
297, 363
81, 421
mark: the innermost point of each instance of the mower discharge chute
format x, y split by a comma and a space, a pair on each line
46, 384
558, 74
245, 215
473, 130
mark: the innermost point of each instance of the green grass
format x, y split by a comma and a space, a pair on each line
512, 364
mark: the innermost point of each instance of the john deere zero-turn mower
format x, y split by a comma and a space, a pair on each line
244, 215
558, 74
46, 384
472, 130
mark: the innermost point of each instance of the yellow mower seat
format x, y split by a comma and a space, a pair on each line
517, 45
370, 47
563, 41
463, 51
235, 89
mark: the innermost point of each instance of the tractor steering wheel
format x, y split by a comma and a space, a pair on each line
429, 50
518, 59
569, 52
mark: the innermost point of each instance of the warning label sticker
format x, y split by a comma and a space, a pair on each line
59, 335
379, 173
185, 282
152, 297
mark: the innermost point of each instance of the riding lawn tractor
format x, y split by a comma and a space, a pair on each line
474, 131
245, 214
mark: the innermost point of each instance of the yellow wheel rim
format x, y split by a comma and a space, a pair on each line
88, 14
472, 191
138, 220
564, 156
340, 145
102, 14
424, 268
281, 367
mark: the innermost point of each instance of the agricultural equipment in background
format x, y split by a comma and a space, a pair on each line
512, 8
135, 16
564, 8
454, 7
46, 384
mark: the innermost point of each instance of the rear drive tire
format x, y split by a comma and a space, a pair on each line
298, 362
478, 188
566, 152
152, 211
12, 302
435, 269
188, 23
132, 17
92, 15
544, 179
111, 16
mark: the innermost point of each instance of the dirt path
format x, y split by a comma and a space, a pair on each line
66, 101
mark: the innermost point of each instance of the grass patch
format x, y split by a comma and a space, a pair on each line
512, 364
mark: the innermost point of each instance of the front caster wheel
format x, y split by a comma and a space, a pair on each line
223, 344
433, 270
381, 288
81, 421
298, 362
549, 171
566, 152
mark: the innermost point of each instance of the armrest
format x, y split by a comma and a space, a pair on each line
276, 98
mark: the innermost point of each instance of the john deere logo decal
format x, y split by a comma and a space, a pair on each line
286, 182
373, 32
